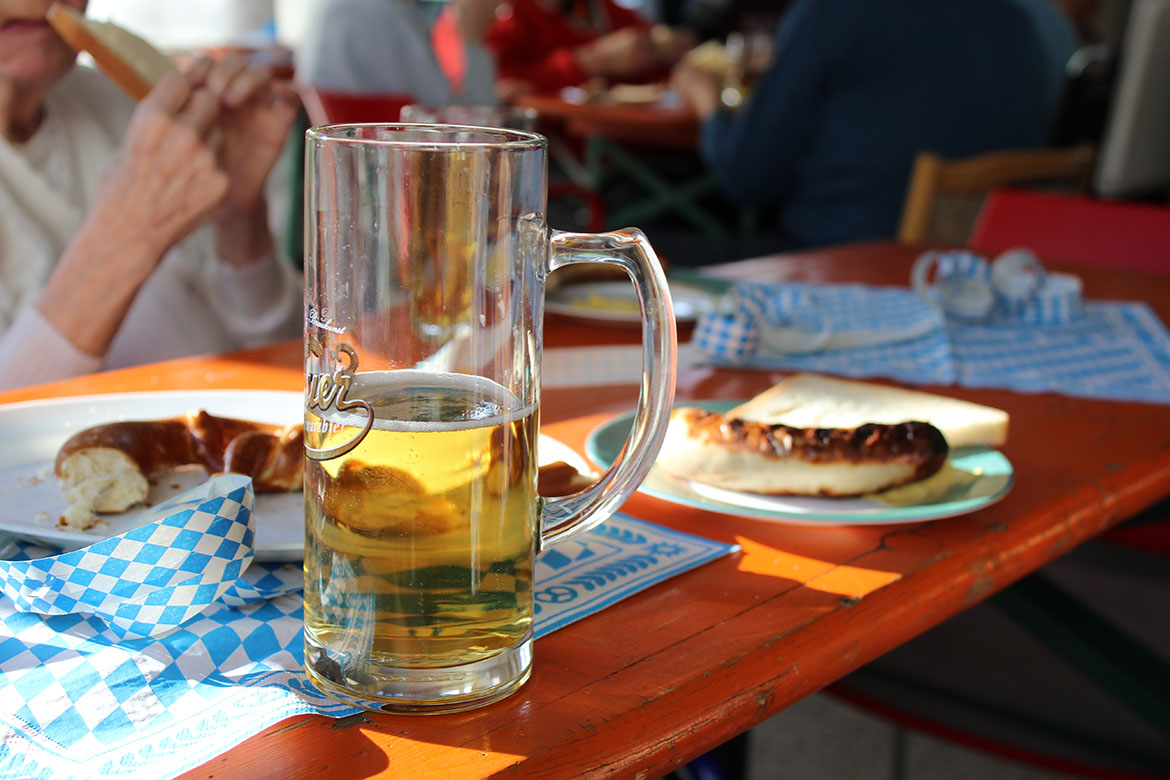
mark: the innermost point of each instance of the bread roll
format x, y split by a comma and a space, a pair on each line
818, 401
819, 435
129, 61
757, 457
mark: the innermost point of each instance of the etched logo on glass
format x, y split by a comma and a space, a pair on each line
325, 392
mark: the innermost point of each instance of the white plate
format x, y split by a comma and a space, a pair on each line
616, 301
32, 432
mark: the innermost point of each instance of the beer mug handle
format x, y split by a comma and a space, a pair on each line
629, 249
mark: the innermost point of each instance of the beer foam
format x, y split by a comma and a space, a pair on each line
486, 403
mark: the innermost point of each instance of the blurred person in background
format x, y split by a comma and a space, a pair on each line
829, 132
546, 45
1060, 41
385, 47
129, 233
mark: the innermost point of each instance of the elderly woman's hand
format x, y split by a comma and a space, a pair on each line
255, 116
165, 181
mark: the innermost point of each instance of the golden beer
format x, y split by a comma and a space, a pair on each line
419, 542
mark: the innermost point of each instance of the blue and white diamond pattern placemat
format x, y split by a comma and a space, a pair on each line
84, 698
869, 332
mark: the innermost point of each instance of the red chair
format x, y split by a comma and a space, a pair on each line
1091, 231
329, 107
1077, 229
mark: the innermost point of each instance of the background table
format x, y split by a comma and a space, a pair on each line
655, 680
597, 142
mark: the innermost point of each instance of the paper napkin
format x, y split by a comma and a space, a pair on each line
189, 553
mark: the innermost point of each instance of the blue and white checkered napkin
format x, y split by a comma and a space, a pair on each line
1025, 329
81, 700
1114, 350
189, 553
850, 330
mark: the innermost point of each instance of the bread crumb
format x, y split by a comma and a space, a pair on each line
79, 517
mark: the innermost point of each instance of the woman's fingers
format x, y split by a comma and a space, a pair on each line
246, 84
199, 112
199, 70
170, 94
222, 72
229, 79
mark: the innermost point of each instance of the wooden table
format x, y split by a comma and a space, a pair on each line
654, 681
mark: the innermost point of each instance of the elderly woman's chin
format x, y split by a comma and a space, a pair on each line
31, 52
34, 64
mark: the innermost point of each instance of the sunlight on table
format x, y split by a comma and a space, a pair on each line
848, 581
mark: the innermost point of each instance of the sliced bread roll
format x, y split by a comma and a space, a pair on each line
130, 62
818, 401
757, 457
822, 436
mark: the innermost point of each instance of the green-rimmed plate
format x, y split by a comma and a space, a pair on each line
988, 477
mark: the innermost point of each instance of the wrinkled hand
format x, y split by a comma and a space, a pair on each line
698, 87
165, 179
255, 116
624, 53
164, 182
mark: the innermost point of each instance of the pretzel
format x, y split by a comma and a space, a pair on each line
561, 479
107, 467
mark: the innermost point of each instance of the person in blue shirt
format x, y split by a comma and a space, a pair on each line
856, 89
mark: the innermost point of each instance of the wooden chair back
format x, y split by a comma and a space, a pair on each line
945, 196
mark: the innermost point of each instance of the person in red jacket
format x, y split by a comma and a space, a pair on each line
545, 45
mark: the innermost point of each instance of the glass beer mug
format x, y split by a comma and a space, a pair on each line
427, 253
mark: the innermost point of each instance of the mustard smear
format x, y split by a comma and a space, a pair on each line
930, 490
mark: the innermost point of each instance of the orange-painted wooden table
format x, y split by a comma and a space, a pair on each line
653, 681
